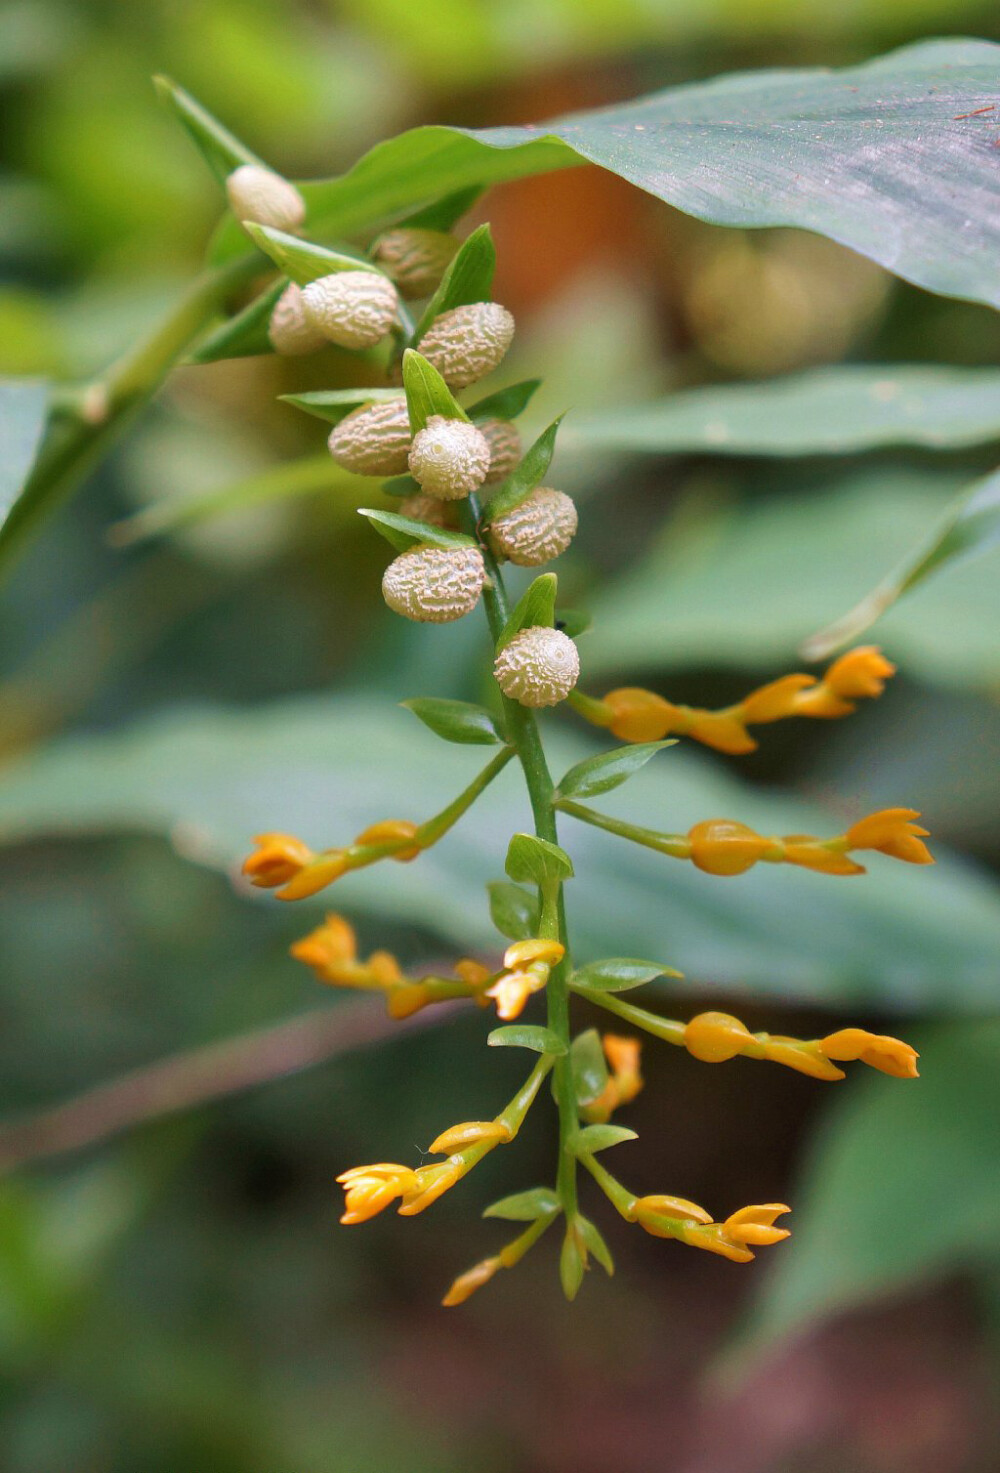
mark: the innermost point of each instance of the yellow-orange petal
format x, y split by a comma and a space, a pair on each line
510, 993
810, 853
893, 832
639, 715
775, 700
472, 972
723, 732
675, 1207
622, 1053
822, 702
389, 831
879, 1050
277, 859
321, 872
802, 1057
432, 1182
860, 673
712, 1239
474, 1278
760, 1214
332, 943
536, 949
407, 998
466, 1134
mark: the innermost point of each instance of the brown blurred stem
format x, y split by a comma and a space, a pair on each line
200, 1076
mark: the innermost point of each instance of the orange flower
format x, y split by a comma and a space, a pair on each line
431, 1183
624, 1083
639, 715
859, 674
719, 846
892, 831
663, 1216
474, 1278
725, 731
370, 1189
673, 1217
277, 859
530, 964
890, 1055
332, 952
775, 700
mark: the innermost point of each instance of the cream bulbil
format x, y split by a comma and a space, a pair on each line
424, 508
354, 309
434, 585
449, 458
538, 530
416, 259
539, 667
467, 343
262, 196
505, 448
374, 440
289, 329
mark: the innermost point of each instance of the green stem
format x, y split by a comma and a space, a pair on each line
678, 846
621, 1198
669, 1029
106, 406
513, 1115
428, 833
524, 736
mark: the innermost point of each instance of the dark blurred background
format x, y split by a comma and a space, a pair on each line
181, 1297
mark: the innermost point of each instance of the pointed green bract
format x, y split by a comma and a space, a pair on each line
404, 533
505, 403
427, 393
529, 474
301, 259
537, 605
525, 1206
333, 405
537, 862
608, 770
620, 973
594, 1138
455, 721
469, 278
590, 1068
445, 213
529, 1036
221, 150
244, 335
595, 1244
514, 912
571, 1263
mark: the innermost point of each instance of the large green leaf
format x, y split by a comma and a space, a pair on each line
22, 420
865, 1221
325, 769
894, 158
830, 411
747, 586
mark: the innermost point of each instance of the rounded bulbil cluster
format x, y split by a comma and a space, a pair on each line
260, 195
505, 448
538, 530
374, 440
289, 329
467, 343
434, 585
354, 309
416, 259
449, 458
539, 667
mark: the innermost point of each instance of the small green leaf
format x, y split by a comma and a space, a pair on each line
619, 973
571, 1262
455, 721
221, 150
426, 392
333, 405
514, 912
469, 278
527, 1035
594, 1138
535, 861
573, 622
526, 1206
590, 1069
595, 1244
505, 403
404, 533
446, 212
301, 259
537, 605
244, 335
526, 476
607, 770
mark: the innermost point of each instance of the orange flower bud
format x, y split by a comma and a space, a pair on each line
369, 1189
723, 730
640, 715
890, 1055
891, 831
474, 1278
277, 859
859, 674
389, 830
775, 700
715, 1037
721, 846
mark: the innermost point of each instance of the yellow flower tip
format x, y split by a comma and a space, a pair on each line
775, 700
430, 1183
389, 831
662, 1216
474, 1278
715, 1037
512, 990
277, 859
805, 1057
892, 831
333, 944
473, 973
639, 715
811, 853
320, 872
859, 674
370, 1189
733, 1239
537, 949
723, 732
720, 846
406, 999
879, 1050
759, 1215
467, 1134
622, 1053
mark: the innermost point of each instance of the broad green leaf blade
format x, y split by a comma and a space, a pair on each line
455, 721
445, 213
333, 405
535, 861
828, 411
505, 403
899, 938
301, 259
403, 532
527, 475
527, 1035
514, 912
866, 1223
244, 335
590, 1069
427, 393
537, 605
620, 973
608, 770
594, 1138
970, 528
23, 407
221, 150
469, 278
526, 1206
